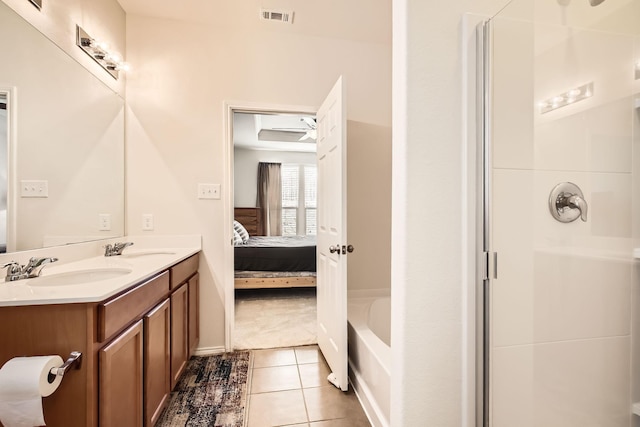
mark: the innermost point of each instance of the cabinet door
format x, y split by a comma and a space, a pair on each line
120, 376
194, 313
157, 347
179, 333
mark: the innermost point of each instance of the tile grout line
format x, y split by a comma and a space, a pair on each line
304, 400
245, 422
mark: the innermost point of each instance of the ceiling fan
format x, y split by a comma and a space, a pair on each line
310, 130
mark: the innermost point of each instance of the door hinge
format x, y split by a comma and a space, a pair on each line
489, 265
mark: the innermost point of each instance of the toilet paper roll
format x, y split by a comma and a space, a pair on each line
23, 383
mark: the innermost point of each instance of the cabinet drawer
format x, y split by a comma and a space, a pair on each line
117, 313
182, 271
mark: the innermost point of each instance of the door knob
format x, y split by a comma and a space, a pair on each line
334, 249
566, 203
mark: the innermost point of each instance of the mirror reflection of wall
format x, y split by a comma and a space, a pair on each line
3, 172
69, 132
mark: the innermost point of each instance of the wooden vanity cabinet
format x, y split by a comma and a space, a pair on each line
120, 389
134, 346
157, 366
57, 329
179, 333
181, 274
194, 313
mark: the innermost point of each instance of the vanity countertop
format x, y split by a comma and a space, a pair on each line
136, 264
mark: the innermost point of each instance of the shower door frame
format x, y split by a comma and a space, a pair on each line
486, 262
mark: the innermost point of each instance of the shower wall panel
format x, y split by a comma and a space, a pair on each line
562, 307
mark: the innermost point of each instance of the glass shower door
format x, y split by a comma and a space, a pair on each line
561, 326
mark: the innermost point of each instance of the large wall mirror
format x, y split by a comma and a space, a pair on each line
61, 133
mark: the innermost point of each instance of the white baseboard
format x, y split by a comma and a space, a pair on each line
207, 351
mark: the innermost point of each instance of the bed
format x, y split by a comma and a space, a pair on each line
274, 261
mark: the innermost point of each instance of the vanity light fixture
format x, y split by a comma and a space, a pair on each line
37, 3
569, 97
99, 51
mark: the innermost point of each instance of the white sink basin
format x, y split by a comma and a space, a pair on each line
145, 254
79, 277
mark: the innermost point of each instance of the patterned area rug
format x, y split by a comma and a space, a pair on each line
212, 391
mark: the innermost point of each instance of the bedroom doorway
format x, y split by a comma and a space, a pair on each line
274, 297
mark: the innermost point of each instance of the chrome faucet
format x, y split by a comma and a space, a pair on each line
32, 269
116, 248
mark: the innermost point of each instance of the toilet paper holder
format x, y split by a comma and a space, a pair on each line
74, 359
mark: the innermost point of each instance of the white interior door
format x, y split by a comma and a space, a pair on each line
332, 233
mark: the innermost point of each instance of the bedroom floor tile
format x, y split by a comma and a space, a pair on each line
313, 402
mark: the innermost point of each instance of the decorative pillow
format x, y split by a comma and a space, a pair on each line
237, 240
244, 234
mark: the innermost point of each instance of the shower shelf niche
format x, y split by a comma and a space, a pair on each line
635, 408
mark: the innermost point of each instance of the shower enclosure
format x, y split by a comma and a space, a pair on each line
560, 285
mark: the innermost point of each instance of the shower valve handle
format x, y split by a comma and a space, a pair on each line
566, 203
573, 201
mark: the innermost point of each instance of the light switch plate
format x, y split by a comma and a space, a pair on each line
208, 191
34, 188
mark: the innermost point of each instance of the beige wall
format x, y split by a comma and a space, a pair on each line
182, 74
369, 210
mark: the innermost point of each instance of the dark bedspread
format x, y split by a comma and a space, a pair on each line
276, 253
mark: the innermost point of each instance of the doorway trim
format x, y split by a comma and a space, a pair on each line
231, 107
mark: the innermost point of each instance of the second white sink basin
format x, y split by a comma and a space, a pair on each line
79, 277
145, 254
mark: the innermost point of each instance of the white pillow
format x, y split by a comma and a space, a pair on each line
237, 240
244, 234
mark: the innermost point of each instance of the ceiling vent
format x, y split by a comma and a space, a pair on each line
285, 16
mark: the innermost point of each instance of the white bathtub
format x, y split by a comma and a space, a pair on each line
370, 355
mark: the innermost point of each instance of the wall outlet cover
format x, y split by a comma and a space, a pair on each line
147, 222
104, 222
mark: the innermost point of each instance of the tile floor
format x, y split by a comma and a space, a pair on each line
288, 387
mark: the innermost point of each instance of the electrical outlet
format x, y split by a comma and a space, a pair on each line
34, 188
208, 191
104, 223
147, 222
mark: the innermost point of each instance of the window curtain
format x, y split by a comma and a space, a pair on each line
270, 198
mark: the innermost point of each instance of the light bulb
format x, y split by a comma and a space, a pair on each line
123, 66
114, 57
